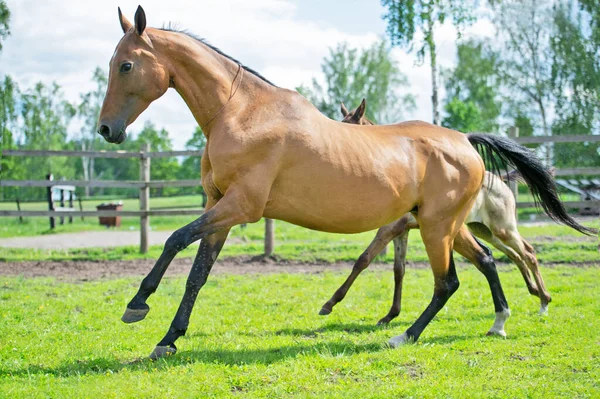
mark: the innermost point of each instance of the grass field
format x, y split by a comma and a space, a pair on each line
260, 336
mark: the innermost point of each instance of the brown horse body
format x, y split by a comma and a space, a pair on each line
271, 153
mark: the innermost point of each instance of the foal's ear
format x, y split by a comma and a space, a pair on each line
344, 110
360, 111
125, 24
140, 20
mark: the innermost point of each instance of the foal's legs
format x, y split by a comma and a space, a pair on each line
384, 235
472, 249
519, 250
400, 247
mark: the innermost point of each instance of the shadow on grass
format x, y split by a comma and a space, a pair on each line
205, 355
353, 328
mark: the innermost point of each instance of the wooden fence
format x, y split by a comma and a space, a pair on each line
593, 204
144, 185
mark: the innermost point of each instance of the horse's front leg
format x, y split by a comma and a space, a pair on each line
235, 208
208, 252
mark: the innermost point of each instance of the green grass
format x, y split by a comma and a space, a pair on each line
554, 244
260, 336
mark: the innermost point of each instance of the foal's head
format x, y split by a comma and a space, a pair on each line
138, 75
356, 117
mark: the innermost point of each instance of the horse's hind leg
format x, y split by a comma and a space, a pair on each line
438, 237
532, 262
383, 237
400, 248
522, 251
472, 249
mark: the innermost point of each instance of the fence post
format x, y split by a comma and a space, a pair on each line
50, 201
80, 206
144, 197
62, 204
19, 209
513, 133
71, 205
269, 236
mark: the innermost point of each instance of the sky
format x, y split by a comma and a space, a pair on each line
285, 40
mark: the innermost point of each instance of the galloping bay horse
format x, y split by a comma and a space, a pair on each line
492, 219
271, 153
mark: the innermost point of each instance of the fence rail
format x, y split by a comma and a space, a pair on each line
145, 183
584, 138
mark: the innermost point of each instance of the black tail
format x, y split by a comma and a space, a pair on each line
537, 177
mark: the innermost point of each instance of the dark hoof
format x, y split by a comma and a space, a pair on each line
162, 351
134, 315
324, 312
384, 322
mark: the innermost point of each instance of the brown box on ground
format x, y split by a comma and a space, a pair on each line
110, 221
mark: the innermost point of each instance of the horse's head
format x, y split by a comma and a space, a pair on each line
138, 75
356, 117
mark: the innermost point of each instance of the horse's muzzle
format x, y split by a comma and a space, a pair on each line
112, 135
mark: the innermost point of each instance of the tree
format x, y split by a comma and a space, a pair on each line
473, 89
524, 28
190, 167
405, 18
351, 75
88, 110
463, 116
4, 22
576, 80
161, 168
9, 93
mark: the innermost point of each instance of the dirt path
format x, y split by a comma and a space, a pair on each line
85, 270
84, 239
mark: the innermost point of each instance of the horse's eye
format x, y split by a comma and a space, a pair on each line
126, 67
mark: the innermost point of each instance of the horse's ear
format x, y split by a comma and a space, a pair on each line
360, 111
125, 24
140, 20
344, 110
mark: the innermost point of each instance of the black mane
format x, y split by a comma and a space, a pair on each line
203, 41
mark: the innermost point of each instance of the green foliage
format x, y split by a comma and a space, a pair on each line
259, 336
351, 75
474, 82
576, 78
161, 168
406, 18
4, 22
8, 117
190, 167
464, 117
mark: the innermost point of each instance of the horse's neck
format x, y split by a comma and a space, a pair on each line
202, 77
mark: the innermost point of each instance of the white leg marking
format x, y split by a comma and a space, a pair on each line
544, 310
399, 340
498, 327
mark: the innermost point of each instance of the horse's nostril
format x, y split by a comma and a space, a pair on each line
104, 131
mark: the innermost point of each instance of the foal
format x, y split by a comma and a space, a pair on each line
492, 219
